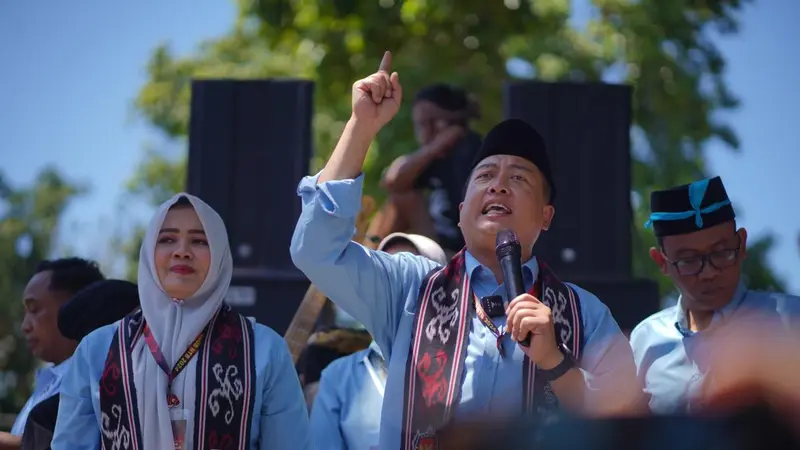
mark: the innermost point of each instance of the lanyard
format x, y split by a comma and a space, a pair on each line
487, 322
194, 347
380, 381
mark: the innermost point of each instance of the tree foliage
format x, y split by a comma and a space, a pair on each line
663, 49
756, 269
155, 180
29, 220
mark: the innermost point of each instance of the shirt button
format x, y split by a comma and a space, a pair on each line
695, 377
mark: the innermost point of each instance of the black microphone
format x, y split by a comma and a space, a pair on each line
509, 255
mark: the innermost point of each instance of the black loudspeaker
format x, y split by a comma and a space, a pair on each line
249, 146
587, 131
630, 300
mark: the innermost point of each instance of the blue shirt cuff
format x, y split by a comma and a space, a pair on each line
339, 198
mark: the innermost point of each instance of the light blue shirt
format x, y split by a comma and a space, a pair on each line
280, 414
346, 414
672, 361
48, 383
380, 290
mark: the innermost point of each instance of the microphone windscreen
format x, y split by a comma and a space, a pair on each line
505, 242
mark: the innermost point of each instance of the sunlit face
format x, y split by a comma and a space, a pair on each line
718, 250
505, 191
182, 255
40, 323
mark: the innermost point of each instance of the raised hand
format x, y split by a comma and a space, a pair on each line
376, 98
446, 139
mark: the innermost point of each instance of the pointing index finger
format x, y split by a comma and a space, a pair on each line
386, 62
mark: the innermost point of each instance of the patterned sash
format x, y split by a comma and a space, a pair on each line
436, 358
225, 376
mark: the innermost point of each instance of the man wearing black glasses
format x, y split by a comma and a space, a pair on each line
701, 250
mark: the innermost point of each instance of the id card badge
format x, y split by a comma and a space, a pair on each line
179, 418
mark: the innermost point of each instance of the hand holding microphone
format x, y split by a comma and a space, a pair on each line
528, 320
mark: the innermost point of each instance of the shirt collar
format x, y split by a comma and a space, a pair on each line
56, 370
49, 377
61, 369
720, 316
480, 273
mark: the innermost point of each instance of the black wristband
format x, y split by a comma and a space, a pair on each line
563, 367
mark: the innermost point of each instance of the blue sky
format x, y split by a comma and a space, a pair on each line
69, 74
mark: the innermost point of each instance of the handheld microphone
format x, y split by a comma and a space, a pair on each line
509, 255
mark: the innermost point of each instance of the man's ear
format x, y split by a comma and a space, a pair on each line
743, 246
658, 257
547, 216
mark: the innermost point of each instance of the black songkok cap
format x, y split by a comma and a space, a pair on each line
516, 138
689, 208
99, 304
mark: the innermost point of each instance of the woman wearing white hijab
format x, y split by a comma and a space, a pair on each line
185, 372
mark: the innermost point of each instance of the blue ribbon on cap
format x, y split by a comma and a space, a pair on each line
697, 191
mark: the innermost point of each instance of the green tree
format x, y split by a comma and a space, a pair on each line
29, 220
155, 180
756, 268
663, 49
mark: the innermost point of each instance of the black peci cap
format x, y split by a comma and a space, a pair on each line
515, 137
689, 208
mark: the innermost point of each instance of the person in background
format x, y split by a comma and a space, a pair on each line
454, 343
336, 334
102, 303
700, 248
53, 283
347, 412
325, 346
441, 115
186, 371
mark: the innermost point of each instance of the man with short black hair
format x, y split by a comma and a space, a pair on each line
441, 114
53, 283
101, 303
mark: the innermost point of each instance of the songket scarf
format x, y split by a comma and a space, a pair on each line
224, 394
439, 342
214, 386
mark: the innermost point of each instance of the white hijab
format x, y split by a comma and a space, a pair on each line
175, 325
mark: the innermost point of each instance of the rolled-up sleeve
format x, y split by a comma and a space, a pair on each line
369, 285
612, 386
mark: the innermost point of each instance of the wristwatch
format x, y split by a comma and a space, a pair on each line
563, 367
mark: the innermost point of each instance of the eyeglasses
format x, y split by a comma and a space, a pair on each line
720, 260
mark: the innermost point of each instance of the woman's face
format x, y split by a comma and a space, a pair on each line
182, 255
